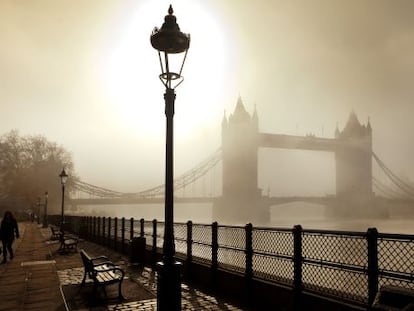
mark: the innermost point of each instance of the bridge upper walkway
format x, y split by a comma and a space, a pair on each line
394, 188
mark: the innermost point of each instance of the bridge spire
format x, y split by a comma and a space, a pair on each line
369, 128
337, 132
255, 118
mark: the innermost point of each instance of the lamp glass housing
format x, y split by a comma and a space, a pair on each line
63, 177
172, 46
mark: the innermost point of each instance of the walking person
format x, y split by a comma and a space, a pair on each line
8, 230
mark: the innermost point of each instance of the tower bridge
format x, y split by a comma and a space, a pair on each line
241, 200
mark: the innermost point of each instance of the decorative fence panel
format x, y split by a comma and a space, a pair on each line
346, 266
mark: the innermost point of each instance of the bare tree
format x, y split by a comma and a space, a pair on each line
29, 166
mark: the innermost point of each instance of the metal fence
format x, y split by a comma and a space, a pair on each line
347, 266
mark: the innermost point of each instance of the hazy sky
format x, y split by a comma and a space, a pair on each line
83, 74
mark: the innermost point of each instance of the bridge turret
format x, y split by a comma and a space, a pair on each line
354, 159
354, 128
240, 177
239, 143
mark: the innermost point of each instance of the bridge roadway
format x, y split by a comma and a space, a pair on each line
135, 200
138, 200
376, 207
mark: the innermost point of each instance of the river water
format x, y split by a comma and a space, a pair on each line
310, 216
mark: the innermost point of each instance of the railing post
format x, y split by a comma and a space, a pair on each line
109, 232
87, 224
248, 274
94, 228
189, 241
103, 230
214, 253
116, 233
99, 238
142, 230
123, 235
373, 273
89, 227
154, 241
131, 235
131, 229
91, 224
189, 258
297, 267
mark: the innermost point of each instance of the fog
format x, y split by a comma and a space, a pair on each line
83, 74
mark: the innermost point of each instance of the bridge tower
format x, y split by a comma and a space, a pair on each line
241, 198
353, 157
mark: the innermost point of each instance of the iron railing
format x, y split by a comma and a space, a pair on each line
347, 266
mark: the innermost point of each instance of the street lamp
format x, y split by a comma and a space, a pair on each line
63, 178
172, 46
45, 224
38, 210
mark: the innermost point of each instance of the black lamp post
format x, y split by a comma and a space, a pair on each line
63, 178
172, 46
45, 224
38, 210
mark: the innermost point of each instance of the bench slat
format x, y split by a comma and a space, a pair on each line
104, 273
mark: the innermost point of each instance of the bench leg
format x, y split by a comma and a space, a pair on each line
84, 278
120, 296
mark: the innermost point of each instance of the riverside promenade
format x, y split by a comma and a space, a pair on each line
41, 278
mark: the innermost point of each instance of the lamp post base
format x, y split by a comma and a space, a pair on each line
169, 286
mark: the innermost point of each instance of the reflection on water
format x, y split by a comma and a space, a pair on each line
310, 216
198, 213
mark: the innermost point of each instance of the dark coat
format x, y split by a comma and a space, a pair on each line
9, 229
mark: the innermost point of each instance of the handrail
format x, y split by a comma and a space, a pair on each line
280, 255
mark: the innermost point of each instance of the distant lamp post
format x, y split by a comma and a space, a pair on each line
63, 179
45, 224
38, 210
172, 46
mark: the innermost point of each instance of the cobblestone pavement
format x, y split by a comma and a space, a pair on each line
35, 279
70, 271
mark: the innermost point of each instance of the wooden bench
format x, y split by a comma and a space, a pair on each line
56, 233
68, 243
102, 271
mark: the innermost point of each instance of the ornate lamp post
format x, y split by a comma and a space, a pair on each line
38, 210
172, 46
45, 224
63, 178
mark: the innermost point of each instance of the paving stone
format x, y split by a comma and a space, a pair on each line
32, 280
